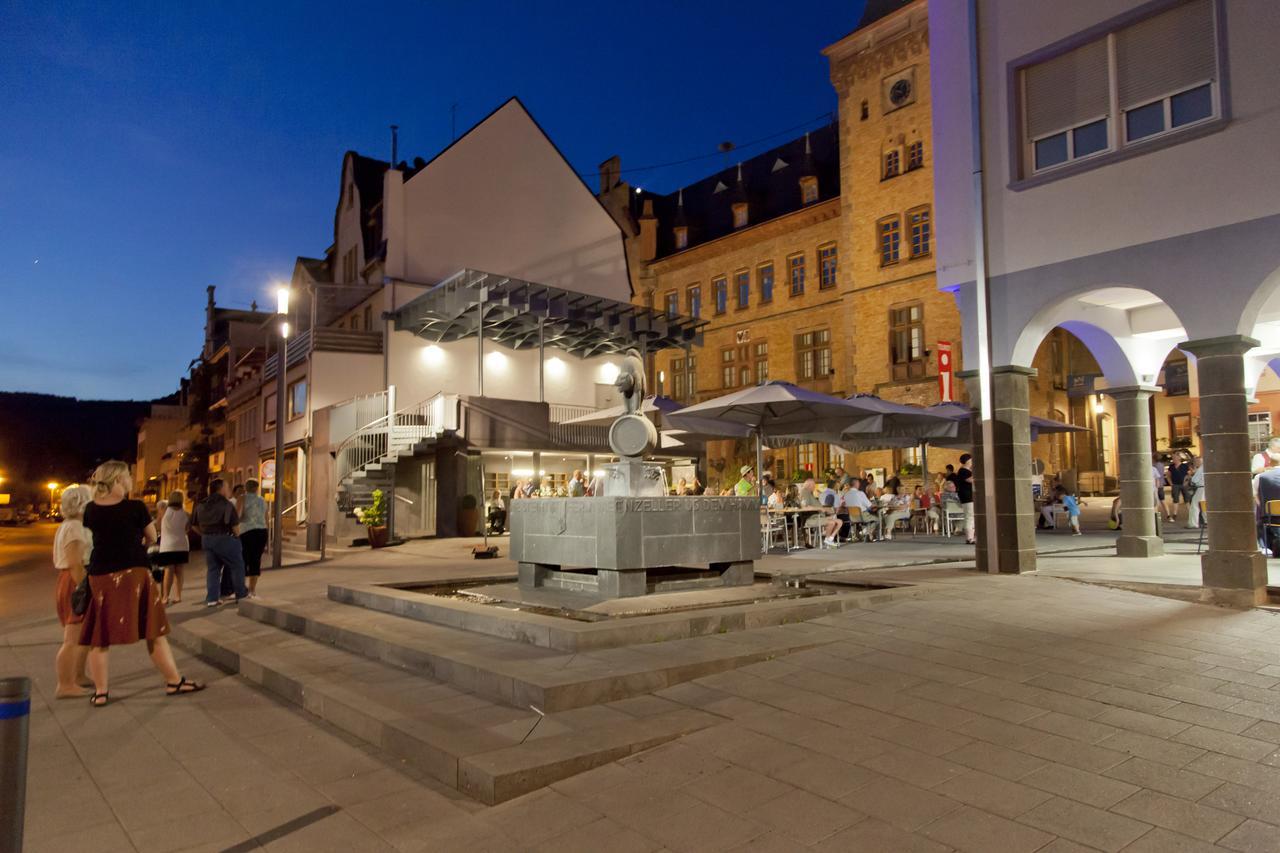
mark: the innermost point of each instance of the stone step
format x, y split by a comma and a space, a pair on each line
521, 674
487, 750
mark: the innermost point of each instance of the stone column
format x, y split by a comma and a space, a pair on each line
1232, 571
1015, 544
1137, 487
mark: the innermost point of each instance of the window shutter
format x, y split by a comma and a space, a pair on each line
1067, 90
1166, 53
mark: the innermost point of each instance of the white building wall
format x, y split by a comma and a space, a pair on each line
1193, 223
503, 200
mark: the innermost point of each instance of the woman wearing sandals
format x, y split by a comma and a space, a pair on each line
124, 601
174, 547
71, 547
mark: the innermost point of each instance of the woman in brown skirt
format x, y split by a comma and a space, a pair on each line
124, 602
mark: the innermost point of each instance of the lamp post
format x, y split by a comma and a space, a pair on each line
53, 487
277, 506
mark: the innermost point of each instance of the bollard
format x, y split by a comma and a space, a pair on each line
15, 712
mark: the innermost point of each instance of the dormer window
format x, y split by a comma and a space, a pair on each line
740, 214
682, 237
808, 189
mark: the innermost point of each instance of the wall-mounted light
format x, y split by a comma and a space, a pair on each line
1098, 407
521, 472
495, 361
609, 372
432, 355
556, 366
282, 300
662, 376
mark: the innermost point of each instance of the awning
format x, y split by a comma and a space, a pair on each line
516, 312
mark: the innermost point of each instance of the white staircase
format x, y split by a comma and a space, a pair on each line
365, 459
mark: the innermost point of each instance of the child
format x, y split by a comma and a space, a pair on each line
71, 546
1072, 508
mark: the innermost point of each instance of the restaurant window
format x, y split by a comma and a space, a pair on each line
761, 362
269, 412
920, 221
889, 230
297, 399
808, 189
1143, 80
682, 237
742, 287
906, 341
915, 155
764, 276
826, 266
892, 163
720, 287
1259, 431
1180, 430
795, 271
807, 458
813, 355
728, 373
695, 301
673, 303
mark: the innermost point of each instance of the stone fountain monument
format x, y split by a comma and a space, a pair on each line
607, 545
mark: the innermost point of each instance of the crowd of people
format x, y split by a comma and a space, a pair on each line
119, 568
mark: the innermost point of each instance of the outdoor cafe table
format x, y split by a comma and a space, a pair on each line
791, 516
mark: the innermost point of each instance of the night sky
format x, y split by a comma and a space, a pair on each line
149, 150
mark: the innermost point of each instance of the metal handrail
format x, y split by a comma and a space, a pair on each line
406, 427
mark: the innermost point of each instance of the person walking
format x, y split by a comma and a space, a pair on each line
1195, 477
175, 547
124, 601
253, 533
1160, 479
72, 545
1178, 481
216, 519
964, 491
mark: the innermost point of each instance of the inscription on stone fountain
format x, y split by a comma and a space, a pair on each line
635, 526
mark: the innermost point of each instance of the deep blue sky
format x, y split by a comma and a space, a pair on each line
148, 150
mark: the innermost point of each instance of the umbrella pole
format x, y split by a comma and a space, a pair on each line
759, 467
924, 465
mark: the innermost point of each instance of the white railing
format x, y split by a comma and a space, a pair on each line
382, 436
424, 420
558, 413
575, 435
362, 448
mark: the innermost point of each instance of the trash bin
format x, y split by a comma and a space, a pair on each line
315, 536
15, 712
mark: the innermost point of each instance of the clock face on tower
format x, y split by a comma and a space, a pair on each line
899, 92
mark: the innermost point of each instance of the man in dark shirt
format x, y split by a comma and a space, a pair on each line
217, 522
1267, 485
964, 491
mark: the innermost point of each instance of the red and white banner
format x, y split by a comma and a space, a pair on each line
945, 372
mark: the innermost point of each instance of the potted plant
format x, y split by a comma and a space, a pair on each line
468, 516
374, 519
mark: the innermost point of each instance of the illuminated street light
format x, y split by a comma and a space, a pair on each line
282, 365
53, 487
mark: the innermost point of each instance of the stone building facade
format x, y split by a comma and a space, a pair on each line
852, 204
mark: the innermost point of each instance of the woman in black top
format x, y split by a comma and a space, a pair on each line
124, 602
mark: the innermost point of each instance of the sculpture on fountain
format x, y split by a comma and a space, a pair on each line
614, 541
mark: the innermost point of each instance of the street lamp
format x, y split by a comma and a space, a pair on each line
277, 507
53, 487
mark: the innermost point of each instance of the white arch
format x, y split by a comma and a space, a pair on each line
1129, 331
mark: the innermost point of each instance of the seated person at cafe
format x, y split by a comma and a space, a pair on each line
897, 507
855, 498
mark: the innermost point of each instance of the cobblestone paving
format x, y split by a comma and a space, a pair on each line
996, 714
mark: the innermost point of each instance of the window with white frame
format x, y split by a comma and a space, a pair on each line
1141, 81
1259, 431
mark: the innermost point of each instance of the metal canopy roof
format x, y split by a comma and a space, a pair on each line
514, 309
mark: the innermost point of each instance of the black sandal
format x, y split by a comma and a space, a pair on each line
93, 700
183, 687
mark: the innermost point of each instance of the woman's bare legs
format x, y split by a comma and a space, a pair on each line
177, 581
162, 657
167, 584
98, 671
69, 663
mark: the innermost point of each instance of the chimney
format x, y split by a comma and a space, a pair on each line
610, 173
648, 244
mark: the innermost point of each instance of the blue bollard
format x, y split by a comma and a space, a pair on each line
15, 712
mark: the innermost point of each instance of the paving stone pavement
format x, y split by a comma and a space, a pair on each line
995, 714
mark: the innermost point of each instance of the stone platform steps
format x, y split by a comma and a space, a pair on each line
522, 675
485, 749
